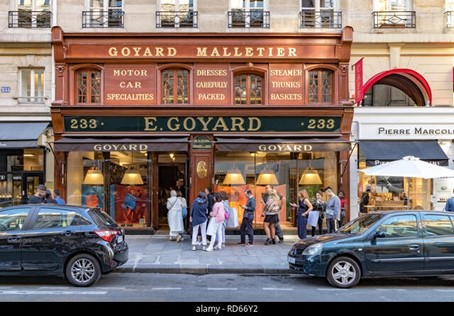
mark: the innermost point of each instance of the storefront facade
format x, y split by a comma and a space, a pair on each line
196, 107
383, 135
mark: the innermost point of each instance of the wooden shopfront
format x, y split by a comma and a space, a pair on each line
193, 106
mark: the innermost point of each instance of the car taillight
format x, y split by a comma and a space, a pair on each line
106, 234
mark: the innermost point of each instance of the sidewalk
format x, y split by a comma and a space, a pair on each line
156, 254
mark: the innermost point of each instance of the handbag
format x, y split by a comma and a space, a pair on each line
233, 218
184, 212
226, 214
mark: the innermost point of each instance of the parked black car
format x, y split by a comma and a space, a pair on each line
75, 242
380, 244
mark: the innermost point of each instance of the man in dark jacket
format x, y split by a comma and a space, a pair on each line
246, 227
38, 197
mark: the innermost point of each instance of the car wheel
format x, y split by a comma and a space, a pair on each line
83, 270
343, 272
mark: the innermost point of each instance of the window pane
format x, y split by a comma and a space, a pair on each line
313, 86
82, 87
240, 89
438, 225
39, 82
327, 79
88, 86
175, 86
96, 87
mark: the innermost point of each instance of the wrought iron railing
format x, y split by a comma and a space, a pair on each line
394, 19
321, 19
103, 18
176, 19
249, 18
29, 19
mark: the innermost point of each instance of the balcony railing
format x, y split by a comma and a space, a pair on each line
449, 19
103, 18
29, 19
321, 19
249, 18
177, 18
394, 19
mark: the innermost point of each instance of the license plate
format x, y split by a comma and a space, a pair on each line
120, 238
291, 260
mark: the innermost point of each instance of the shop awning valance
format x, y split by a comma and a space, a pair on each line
21, 134
377, 152
105, 144
296, 144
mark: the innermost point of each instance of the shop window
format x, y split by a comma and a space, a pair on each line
31, 85
321, 84
248, 89
88, 86
175, 86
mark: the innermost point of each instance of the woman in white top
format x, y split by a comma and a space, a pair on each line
175, 217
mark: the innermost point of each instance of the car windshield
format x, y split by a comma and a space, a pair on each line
101, 218
360, 224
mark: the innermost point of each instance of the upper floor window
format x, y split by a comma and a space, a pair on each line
248, 13
320, 13
175, 86
394, 14
31, 13
177, 13
449, 13
248, 89
31, 85
88, 86
103, 13
321, 82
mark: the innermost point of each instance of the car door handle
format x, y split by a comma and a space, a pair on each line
413, 247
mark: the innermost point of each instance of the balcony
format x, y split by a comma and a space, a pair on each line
394, 19
176, 19
321, 19
29, 19
103, 18
249, 18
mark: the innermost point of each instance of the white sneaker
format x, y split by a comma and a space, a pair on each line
194, 248
209, 249
218, 247
204, 248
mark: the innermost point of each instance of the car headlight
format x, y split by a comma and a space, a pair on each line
313, 250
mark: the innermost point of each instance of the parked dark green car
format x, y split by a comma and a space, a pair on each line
380, 244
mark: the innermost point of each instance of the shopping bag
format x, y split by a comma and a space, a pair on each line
233, 219
212, 227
